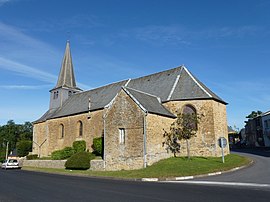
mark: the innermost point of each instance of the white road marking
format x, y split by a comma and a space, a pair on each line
221, 183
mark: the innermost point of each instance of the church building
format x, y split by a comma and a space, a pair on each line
131, 116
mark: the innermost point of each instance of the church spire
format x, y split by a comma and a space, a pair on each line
66, 84
66, 76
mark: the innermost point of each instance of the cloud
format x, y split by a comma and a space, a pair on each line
2, 2
24, 87
182, 35
81, 21
26, 70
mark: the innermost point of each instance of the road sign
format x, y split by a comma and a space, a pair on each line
222, 142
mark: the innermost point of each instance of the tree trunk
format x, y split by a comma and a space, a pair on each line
188, 151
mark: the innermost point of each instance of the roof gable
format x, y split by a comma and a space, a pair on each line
189, 87
148, 103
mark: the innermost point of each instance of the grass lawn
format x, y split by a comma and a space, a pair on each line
172, 167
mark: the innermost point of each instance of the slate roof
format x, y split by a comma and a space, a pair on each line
148, 103
172, 84
189, 87
66, 76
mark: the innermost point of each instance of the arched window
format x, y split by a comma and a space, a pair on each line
190, 112
62, 130
80, 124
188, 109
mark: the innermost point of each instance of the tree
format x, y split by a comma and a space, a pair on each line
24, 147
254, 114
183, 128
13, 133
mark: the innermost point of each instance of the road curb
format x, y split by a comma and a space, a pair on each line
196, 176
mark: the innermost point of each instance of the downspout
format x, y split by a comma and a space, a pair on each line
144, 141
104, 137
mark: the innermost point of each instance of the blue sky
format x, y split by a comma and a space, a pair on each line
223, 43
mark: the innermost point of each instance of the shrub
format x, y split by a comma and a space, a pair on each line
24, 147
98, 146
79, 146
63, 153
79, 161
32, 157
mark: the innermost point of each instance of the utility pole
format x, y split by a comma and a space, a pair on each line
7, 150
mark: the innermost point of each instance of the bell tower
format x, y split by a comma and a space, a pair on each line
66, 84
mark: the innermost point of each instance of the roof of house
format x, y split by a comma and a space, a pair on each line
149, 103
172, 84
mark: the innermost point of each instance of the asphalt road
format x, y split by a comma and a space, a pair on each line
20, 185
258, 172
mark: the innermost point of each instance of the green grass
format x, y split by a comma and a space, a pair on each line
172, 167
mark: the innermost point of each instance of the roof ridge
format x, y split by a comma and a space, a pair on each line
102, 86
141, 91
197, 82
175, 83
135, 100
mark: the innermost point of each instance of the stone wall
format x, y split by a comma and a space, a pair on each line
155, 130
51, 131
97, 165
124, 114
44, 163
212, 125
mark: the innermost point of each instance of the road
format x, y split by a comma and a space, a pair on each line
20, 185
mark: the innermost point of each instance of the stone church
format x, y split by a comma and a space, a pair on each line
131, 116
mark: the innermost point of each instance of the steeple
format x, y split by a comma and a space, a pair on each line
66, 84
66, 76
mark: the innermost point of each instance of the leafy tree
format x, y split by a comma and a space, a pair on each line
183, 128
12, 133
24, 147
254, 114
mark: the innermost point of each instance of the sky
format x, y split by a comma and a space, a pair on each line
225, 44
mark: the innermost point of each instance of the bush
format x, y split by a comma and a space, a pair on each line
63, 153
32, 157
79, 146
24, 147
79, 161
98, 146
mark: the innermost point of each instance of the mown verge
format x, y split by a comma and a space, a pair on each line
172, 167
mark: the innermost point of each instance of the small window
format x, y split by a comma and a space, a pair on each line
80, 128
69, 93
62, 131
121, 135
55, 95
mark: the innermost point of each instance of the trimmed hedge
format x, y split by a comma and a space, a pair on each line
79, 146
79, 161
63, 153
98, 146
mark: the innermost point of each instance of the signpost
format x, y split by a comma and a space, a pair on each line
222, 142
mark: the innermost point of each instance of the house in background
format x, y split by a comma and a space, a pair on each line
131, 116
257, 130
266, 128
254, 132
